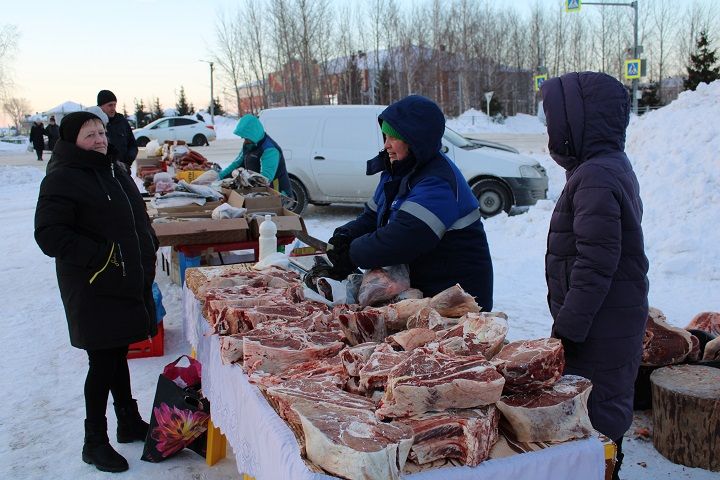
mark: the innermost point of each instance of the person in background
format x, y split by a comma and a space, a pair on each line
91, 218
260, 153
423, 212
37, 138
595, 265
119, 133
53, 133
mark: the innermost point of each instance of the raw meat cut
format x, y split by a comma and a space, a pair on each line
552, 414
412, 338
425, 317
466, 434
355, 444
454, 302
376, 370
277, 352
430, 381
712, 350
408, 308
529, 365
664, 344
481, 334
382, 284
353, 358
330, 368
367, 325
707, 322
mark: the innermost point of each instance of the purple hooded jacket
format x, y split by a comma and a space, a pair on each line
595, 262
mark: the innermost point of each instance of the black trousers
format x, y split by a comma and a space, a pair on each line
108, 372
619, 459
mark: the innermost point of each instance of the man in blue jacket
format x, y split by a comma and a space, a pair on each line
260, 153
595, 265
423, 212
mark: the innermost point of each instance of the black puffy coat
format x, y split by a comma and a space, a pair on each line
91, 218
37, 136
120, 136
53, 133
595, 263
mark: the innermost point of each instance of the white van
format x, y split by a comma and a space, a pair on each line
326, 149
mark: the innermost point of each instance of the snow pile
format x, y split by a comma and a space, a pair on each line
475, 121
7, 147
674, 151
15, 176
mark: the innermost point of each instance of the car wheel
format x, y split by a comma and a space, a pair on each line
493, 197
142, 141
299, 196
199, 140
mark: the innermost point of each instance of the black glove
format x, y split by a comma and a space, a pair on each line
342, 264
340, 241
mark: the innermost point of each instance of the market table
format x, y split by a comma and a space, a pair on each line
265, 447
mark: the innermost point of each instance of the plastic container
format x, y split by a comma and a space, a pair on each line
267, 243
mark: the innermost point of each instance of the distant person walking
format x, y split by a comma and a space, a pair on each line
53, 133
37, 138
119, 132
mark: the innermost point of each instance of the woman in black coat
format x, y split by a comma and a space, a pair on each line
91, 218
37, 138
595, 265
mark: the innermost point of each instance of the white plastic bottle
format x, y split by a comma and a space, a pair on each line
268, 239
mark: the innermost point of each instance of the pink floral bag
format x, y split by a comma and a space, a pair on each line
180, 413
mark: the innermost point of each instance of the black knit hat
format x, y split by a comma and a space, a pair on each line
105, 96
71, 124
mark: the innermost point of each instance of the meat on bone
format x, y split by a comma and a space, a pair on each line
278, 352
529, 365
467, 434
367, 325
353, 358
481, 333
411, 339
430, 381
707, 322
712, 350
374, 373
353, 444
664, 344
553, 414
454, 302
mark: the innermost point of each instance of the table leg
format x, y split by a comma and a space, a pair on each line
216, 445
610, 452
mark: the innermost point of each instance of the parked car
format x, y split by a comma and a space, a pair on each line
326, 149
191, 131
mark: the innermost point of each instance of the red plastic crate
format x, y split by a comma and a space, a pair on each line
152, 347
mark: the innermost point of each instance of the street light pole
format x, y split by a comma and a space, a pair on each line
212, 96
636, 53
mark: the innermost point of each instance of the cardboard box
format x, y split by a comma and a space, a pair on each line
238, 199
285, 220
201, 231
186, 211
148, 162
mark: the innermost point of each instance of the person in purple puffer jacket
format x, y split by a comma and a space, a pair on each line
595, 265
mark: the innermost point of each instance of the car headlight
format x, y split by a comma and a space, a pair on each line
529, 171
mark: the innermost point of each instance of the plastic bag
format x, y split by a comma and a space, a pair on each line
227, 211
382, 284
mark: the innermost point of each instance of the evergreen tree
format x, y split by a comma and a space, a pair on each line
182, 106
383, 85
157, 110
218, 108
142, 117
650, 96
702, 66
191, 109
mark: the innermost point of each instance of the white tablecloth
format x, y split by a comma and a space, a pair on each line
266, 448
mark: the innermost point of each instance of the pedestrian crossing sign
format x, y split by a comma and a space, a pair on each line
632, 68
573, 5
538, 81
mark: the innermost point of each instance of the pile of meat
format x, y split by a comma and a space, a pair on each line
665, 344
366, 389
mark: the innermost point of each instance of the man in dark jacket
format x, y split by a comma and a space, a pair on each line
423, 212
53, 133
595, 263
119, 132
37, 138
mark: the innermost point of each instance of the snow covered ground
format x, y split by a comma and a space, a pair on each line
674, 151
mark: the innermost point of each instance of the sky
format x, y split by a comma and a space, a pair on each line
68, 50
676, 165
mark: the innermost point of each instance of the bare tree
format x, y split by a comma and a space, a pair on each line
16, 109
8, 43
228, 51
662, 20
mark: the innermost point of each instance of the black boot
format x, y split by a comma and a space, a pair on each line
130, 426
98, 451
618, 459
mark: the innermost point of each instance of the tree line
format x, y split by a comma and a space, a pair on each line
304, 52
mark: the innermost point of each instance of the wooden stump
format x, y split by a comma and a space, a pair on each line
686, 415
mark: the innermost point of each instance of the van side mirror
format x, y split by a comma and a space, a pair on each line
444, 149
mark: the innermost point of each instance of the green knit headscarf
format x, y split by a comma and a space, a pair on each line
390, 131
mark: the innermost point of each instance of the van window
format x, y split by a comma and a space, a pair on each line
358, 132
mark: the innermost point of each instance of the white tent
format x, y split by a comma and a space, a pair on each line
62, 110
